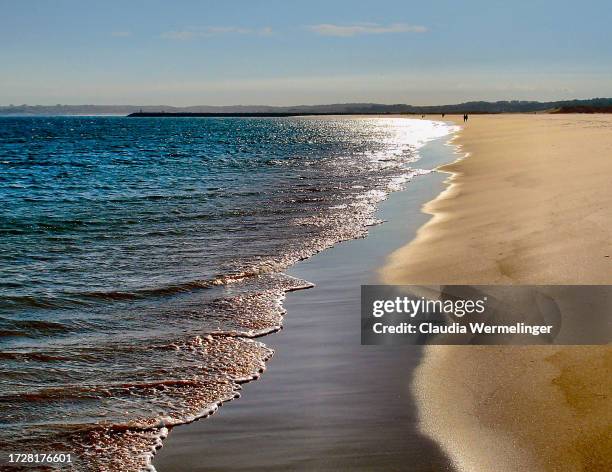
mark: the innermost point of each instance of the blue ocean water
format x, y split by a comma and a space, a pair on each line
140, 257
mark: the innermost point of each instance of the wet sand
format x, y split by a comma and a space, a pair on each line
530, 204
325, 402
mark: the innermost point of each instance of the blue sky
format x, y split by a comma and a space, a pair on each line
302, 52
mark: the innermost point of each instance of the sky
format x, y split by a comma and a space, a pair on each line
302, 52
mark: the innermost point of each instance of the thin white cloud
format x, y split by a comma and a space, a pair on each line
192, 33
226, 30
179, 35
120, 34
328, 29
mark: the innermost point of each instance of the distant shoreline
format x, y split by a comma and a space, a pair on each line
232, 115
268, 115
162, 114
561, 110
592, 105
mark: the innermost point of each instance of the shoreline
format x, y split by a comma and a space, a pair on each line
314, 408
527, 205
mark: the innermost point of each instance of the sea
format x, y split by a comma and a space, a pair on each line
142, 262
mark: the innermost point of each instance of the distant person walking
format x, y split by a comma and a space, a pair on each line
465, 117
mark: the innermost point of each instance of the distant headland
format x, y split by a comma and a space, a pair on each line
594, 105
152, 114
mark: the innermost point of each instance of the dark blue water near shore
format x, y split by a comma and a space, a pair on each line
140, 257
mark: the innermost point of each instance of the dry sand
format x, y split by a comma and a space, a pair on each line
530, 204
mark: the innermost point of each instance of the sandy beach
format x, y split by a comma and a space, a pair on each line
528, 204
